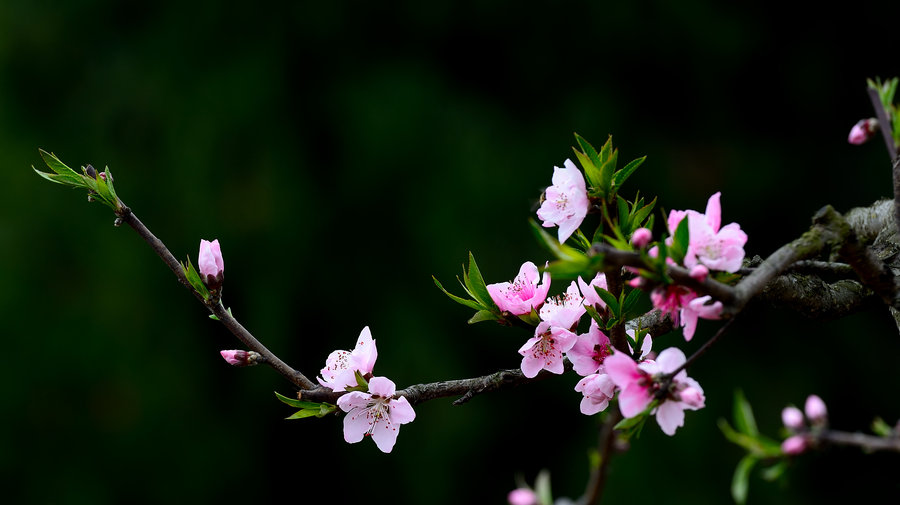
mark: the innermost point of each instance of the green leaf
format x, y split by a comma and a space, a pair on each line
297, 403
561, 251
680, 241
740, 483
589, 150
775, 471
542, 488
475, 283
609, 299
193, 278
74, 179
462, 301
743, 415
622, 175
605, 151
55, 164
591, 173
881, 428
484, 315
300, 414
606, 171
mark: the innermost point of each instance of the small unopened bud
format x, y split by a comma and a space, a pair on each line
792, 418
699, 273
237, 357
794, 445
637, 282
90, 171
693, 397
641, 237
862, 131
210, 263
522, 496
101, 175
815, 410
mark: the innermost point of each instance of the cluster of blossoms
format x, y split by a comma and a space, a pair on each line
803, 429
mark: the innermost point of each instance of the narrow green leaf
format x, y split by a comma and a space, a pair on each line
640, 214
589, 150
300, 414
193, 278
462, 301
73, 180
622, 175
542, 488
591, 172
297, 403
606, 172
624, 217
475, 283
609, 299
775, 471
561, 251
606, 151
680, 241
484, 315
55, 164
740, 483
743, 415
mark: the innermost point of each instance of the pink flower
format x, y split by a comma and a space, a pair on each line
210, 263
589, 351
815, 410
376, 413
545, 350
639, 384
698, 308
341, 366
794, 445
670, 299
862, 131
792, 418
717, 249
526, 292
565, 202
564, 310
597, 389
240, 358
590, 294
641, 237
522, 496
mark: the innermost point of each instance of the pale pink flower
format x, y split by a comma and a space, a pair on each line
565, 202
376, 413
862, 131
526, 292
597, 389
564, 310
794, 445
815, 410
639, 384
698, 308
792, 418
341, 366
589, 351
210, 263
641, 237
590, 294
716, 248
522, 496
545, 350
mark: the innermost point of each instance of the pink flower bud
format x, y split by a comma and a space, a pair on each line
699, 273
693, 397
237, 357
641, 237
794, 445
792, 418
862, 131
522, 496
815, 410
210, 263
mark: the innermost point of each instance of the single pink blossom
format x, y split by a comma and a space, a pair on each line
792, 418
794, 445
545, 350
341, 366
590, 293
639, 384
862, 131
698, 308
716, 248
240, 358
670, 299
564, 310
815, 410
522, 496
210, 263
376, 413
565, 202
641, 237
526, 292
589, 351
598, 389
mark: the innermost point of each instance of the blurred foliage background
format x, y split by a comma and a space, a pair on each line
344, 152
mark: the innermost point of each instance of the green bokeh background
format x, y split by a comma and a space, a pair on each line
344, 152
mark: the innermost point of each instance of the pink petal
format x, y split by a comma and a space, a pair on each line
633, 400
621, 369
365, 353
385, 435
401, 411
670, 359
382, 386
670, 416
531, 365
714, 211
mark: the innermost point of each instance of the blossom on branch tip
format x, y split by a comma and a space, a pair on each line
598, 389
375, 413
526, 292
716, 248
641, 237
792, 418
544, 351
565, 202
341, 366
815, 410
210, 263
862, 131
240, 358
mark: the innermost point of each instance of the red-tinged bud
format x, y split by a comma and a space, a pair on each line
794, 445
641, 237
240, 358
862, 131
792, 418
693, 397
815, 410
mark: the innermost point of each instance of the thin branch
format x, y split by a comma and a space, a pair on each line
870, 443
606, 445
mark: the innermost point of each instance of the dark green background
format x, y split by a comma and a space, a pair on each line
344, 152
